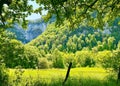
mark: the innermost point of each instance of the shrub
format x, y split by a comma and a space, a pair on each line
58, 61
104, 58
43, 63
30, 57
70, 58
85, 58
13, 53
3, 74
89, 62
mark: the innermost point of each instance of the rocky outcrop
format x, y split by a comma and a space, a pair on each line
34, 30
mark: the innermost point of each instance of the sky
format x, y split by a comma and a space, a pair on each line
35, 16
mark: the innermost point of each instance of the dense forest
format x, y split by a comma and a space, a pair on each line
57, 46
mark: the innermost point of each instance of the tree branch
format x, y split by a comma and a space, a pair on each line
2, 20
92, 4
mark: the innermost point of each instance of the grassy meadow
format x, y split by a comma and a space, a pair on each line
55, 77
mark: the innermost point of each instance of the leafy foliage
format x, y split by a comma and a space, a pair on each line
3, 74
58, 61
43, 63
30, 57
112, 60
67, 40
85, 58
15, 11
75, 45
14, 53
91, 12
88, 12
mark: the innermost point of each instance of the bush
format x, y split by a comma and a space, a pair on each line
70, 57
89, 62
30, 57
85, 58
13, 53
105, 58
17, 54
43, 63
3, 75
58, 61
110, 59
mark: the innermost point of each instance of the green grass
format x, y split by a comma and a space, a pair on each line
55, 77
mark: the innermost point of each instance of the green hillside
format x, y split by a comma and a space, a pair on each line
56, 47
72, 40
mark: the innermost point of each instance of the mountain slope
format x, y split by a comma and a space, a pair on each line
34, 30
72, 40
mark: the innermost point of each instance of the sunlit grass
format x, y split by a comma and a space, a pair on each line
55, 77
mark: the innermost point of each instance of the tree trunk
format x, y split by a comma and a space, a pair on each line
118, 76
67, 74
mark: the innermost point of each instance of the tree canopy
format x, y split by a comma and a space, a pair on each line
12, 11
90, 12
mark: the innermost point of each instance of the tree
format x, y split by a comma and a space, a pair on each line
72, 44
70, 57
3, 70
85, 58
43, 63
96, 12
91, 12
111, 43
12, 51
112, 60
30, 57
15, 11
58, 61
3, 74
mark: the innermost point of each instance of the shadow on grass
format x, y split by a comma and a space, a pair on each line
78, 82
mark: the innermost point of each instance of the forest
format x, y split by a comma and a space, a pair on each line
83, 33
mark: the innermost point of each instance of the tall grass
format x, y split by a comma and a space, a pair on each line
55, 77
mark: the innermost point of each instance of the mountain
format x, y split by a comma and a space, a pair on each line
34, 29
71, 40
